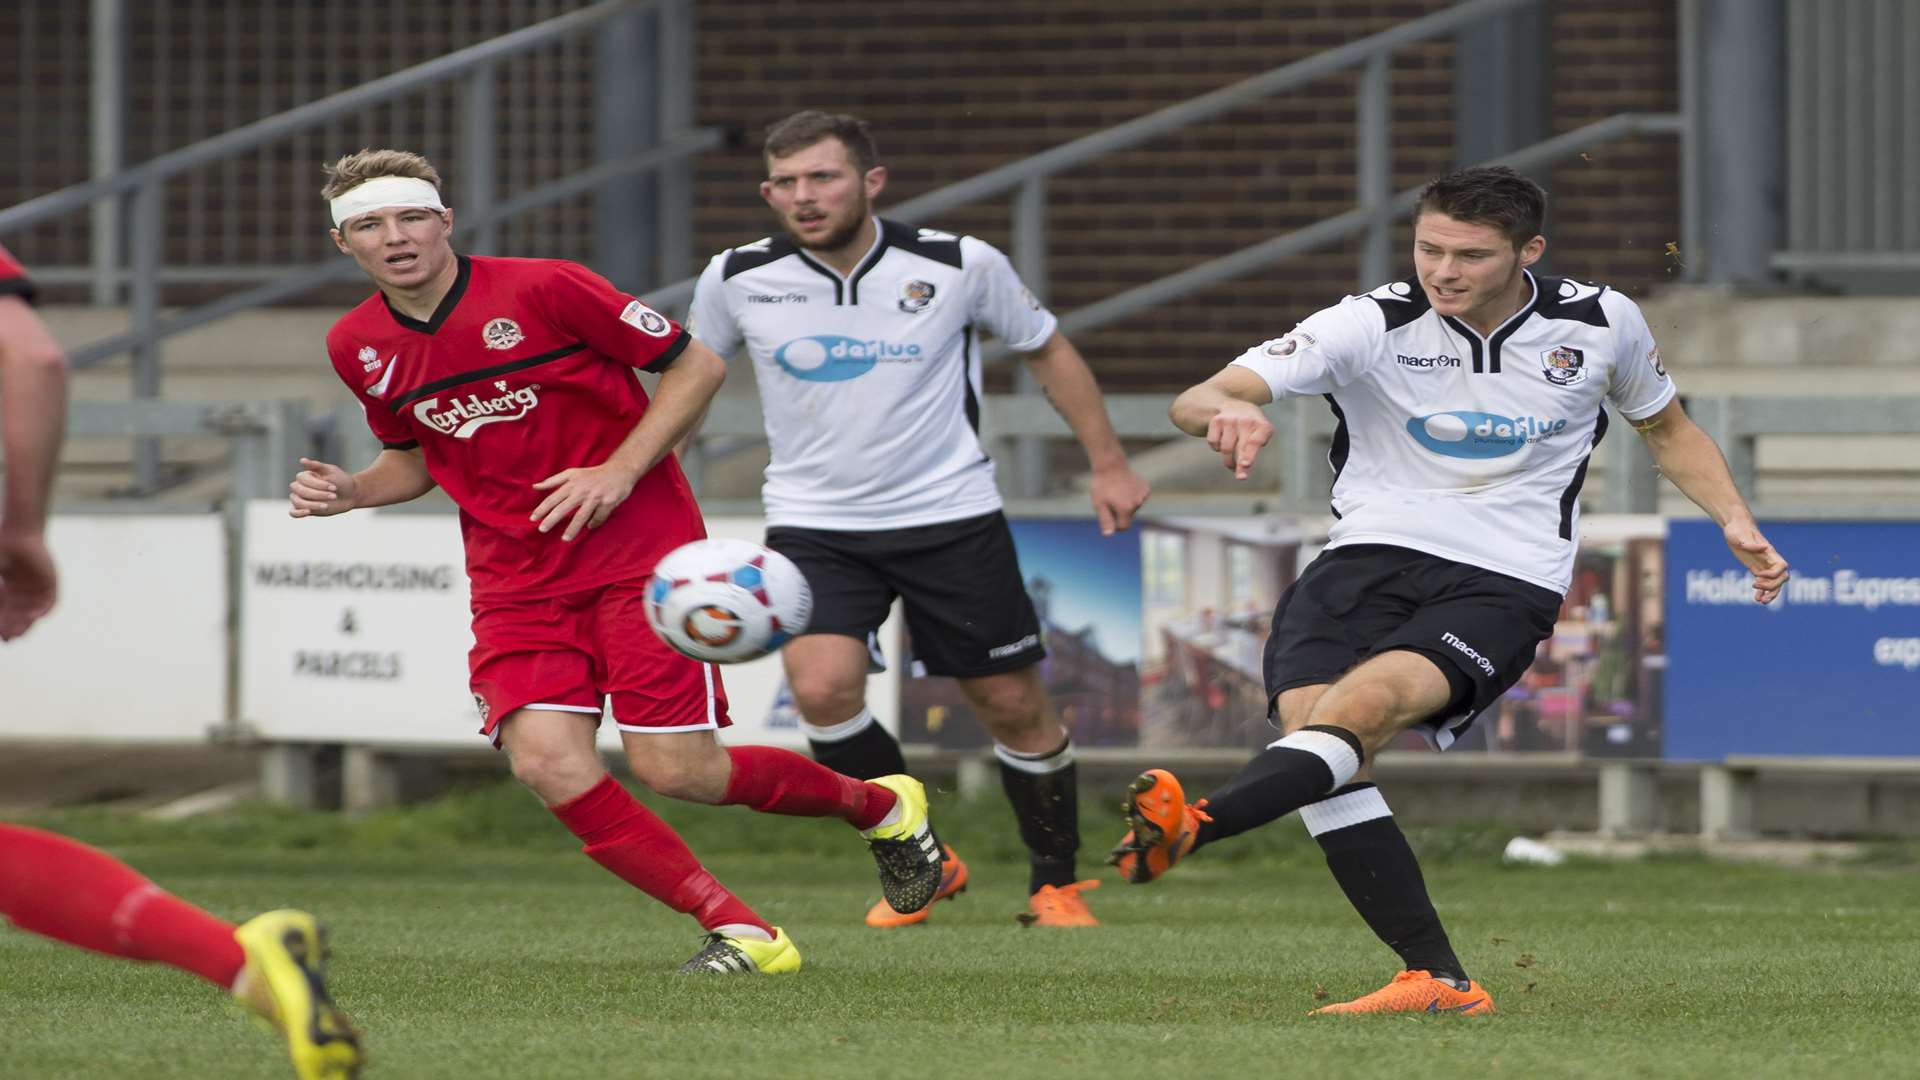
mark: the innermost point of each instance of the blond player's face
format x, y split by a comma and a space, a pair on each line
400, 248
1465, 267
820, 196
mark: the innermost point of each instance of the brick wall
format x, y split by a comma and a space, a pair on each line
967, 86
953, 90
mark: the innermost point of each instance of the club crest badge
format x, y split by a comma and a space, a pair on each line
1564, 366
916, 296
501, 334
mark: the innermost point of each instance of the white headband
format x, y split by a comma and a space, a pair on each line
382, 192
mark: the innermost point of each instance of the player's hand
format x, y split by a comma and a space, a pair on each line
322, 490
1117, 492
1756, 554
590, 495
28, 583
1238, 431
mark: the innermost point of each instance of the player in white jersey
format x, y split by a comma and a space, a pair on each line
1469, 400
865, 338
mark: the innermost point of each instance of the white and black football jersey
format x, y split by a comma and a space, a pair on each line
1467, 447
870, 382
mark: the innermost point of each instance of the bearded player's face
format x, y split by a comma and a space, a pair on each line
820, 194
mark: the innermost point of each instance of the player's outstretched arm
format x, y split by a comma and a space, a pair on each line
589, 495
1225, 411
1688, 456
33, 416
320, 489
1117, 490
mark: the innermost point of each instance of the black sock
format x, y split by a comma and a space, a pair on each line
1045, 792
1297, 770
1376, 868
859, 748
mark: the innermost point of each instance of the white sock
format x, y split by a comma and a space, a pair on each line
743, 930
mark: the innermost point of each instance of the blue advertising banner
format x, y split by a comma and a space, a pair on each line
1830, 668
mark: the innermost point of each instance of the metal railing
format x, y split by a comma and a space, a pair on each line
480, 214
1374, 215
1853, 138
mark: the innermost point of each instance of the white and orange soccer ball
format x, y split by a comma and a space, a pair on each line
727, 601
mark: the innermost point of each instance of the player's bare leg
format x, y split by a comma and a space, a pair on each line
553, 753
890, 812
1038, 775
827, 674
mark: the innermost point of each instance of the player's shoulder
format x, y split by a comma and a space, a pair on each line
525, 271
365, 320
762, 252
1397, 303
934, 244
1587, 302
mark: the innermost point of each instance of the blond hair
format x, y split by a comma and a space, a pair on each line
355, 169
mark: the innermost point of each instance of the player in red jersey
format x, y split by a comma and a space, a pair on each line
511, 384
63, 889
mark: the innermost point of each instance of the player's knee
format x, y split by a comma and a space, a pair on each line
827, 698
1010, 705
556, 776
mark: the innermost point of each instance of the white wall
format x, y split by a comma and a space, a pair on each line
136, 649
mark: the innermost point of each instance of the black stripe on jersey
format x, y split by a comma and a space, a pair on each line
1403, 310
451, 381
839, 292
748, 256
408, 445
20, 287
872, 260
1342, 444
447, 302
907, 238
665, 360
1544, 290
966, 384
1473, 342
1586, 309
1571, 497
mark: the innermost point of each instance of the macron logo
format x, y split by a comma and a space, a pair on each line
1469, 652
463, 416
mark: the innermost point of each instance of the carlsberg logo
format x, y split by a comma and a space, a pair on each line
461, 417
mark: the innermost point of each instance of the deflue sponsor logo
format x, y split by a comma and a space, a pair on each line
829, 358
461, 417
1464, 434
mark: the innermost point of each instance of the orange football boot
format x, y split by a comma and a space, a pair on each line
953, 882
1059, 906
1416, 991
1163, 827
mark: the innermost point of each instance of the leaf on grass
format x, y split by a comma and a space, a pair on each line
1320, 992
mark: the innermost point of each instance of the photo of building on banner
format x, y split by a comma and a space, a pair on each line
1156, 639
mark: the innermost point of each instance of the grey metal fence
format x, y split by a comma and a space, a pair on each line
1853, 138
154, 220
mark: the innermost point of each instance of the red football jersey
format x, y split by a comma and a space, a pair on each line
13, 277
525, 369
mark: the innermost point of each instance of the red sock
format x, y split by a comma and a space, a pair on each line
776, 781
643, 851
83, 896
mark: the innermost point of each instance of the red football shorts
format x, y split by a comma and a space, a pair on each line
570, 653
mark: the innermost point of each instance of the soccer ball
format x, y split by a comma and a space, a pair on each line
727, 601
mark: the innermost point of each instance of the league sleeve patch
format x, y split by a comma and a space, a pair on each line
1292, 343
646, 320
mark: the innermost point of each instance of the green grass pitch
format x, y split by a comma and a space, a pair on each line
472, 940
